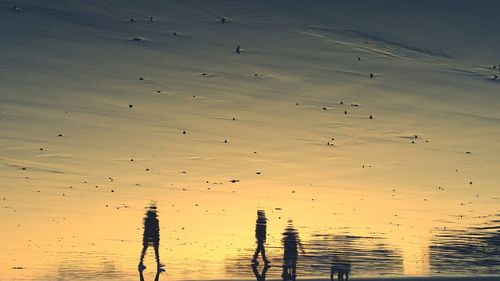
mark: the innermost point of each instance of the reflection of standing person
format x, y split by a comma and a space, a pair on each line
290, 242
260, 235
151, 237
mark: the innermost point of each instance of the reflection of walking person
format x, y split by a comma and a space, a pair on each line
260, 235
290, 242
151, 237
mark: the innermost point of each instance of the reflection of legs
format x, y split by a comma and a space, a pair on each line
263, 251
284, 275
260, 276
259, 249
141, 277
143, 253
141, 266
264, 271
157, 277
255, 271
347, 276
157, 257
294, 269
256, 254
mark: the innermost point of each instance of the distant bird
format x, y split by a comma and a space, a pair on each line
132, 19
238, 49
151, 19
371, 75
223, 20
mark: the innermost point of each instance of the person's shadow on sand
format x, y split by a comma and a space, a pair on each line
157, 276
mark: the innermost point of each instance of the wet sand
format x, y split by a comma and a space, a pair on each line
374, 126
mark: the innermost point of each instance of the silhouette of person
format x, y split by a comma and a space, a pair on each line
260, 235
157, 276
238, 49
290, 255
151, 237
260, 276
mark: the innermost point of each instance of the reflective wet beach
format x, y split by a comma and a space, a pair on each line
229, 255
195, 137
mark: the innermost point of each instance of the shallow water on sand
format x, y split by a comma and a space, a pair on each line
221, 245
394, 175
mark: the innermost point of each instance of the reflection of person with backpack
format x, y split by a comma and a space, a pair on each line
151, 237
260, 236
290, 255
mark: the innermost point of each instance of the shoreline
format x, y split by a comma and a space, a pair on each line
410, 278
